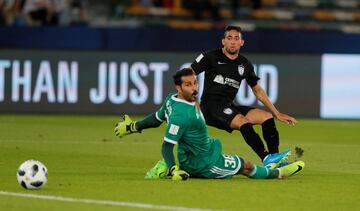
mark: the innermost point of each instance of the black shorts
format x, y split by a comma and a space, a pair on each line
220, 114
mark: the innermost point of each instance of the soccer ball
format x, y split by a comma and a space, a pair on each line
32, 174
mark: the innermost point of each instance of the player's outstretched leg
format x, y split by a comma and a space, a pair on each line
258, 172
158, 171
125, 127
291, 169
273, 161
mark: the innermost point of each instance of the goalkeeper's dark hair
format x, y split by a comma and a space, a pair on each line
181, 73
232, 27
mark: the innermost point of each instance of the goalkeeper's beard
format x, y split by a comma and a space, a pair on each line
194, 94
189, 97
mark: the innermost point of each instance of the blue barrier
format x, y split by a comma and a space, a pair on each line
166, 39
82, 38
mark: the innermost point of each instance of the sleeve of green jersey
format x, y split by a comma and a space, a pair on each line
160, 114
176, 128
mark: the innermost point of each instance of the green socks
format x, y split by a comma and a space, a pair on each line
261, 172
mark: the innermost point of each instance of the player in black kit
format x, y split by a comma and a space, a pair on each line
224, 69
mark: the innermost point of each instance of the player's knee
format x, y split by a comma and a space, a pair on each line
258, 116
238, 121
267, 115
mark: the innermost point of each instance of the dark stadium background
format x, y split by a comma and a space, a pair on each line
292, 35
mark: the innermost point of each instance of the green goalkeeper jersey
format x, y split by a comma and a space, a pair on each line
186, 127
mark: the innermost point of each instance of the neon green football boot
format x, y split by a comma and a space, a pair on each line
125, 127
158, 171
291, 169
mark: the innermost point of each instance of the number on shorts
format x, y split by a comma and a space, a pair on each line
229, 161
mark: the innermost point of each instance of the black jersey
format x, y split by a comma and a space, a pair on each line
223, 75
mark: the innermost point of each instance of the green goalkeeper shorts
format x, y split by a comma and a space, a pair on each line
225, 167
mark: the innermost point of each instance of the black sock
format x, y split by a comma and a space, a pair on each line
253, 140
271, 135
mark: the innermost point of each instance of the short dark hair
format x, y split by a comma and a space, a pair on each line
232, 27
180, 73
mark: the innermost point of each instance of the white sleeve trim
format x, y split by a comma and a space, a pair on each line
157, 117
170, 141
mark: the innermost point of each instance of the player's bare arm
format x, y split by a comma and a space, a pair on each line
262, 96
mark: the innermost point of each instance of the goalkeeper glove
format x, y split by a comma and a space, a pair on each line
125, 127
178, 174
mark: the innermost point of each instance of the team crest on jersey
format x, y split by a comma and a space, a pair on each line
228, 111
241, 69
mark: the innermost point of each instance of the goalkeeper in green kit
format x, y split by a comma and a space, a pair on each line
199, 155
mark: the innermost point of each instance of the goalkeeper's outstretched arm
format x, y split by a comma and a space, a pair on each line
128, 126
150, 121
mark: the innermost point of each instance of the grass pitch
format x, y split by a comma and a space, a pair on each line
86, 161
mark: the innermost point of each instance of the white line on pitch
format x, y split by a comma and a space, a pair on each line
104, 202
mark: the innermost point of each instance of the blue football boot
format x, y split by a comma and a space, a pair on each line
272, 161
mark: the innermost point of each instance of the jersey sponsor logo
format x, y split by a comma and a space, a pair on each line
198, 59
228, 111
241, 69
219, 79
174, 129
227, 81
221, 62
